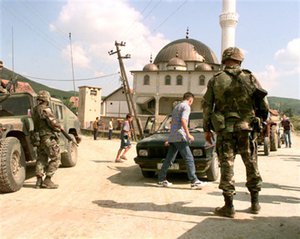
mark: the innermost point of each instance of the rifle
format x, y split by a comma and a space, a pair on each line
68, 137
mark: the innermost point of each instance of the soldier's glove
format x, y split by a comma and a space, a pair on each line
209, 137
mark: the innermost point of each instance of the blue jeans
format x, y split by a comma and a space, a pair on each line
187, 155
287, 138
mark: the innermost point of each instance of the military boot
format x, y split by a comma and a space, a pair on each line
49, 184
228, 209
255, 207
39, 182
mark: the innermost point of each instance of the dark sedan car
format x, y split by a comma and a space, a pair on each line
151, 150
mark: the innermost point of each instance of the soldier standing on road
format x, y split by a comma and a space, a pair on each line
232, 105
48, 128
178, 141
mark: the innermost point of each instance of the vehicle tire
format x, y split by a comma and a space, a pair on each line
13, 165
279, 140
69, 158
266, 146
213, 171
274, 139
148, 174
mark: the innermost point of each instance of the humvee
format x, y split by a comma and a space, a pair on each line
16, 145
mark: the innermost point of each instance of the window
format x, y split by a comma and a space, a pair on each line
202, 80
93, 92
168, 80
146, 80
59, 112
179, 80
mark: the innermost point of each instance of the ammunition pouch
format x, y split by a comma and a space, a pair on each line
256, 124
217, 121
259, 93
35, 138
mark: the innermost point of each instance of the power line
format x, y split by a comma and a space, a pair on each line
169, 16
83, 79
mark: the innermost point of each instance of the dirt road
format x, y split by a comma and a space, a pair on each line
101, 199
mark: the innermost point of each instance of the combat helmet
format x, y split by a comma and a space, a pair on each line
233, 53
44, 95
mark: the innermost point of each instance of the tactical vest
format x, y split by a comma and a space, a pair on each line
233, 95
40, 123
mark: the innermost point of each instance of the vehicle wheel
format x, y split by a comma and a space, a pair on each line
69, 158
148, 174
274, 139
278, 140
266, 146
213, 171
13, 165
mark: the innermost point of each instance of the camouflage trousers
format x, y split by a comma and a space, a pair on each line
230, 144
48, 157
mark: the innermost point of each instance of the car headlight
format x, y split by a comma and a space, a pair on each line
197, 152
143, 152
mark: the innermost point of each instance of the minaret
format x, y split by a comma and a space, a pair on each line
228, 22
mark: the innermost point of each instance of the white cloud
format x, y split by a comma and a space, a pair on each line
80, 58
97, 24
289, 54
284, 75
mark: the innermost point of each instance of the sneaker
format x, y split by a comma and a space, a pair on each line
198, 184
164, 183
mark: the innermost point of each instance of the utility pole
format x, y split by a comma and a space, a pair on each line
128, 94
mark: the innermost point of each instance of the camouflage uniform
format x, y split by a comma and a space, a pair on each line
230, 105
48, 129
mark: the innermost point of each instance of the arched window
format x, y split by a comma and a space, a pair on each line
179, 80
168, 80
202, 80
146, 80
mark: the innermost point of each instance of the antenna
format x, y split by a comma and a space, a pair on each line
74, 88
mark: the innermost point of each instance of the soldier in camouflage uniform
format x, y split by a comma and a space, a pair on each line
233, 105
47, 128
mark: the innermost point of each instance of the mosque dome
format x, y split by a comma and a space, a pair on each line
150, 67
188, 50
203, 67
175, 61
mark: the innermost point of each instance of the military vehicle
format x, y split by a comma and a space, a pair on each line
17, 148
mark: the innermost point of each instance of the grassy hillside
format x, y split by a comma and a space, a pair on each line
291, 107
7, 74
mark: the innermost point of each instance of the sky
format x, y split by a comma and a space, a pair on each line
35, 40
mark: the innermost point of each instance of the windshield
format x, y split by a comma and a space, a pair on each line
14, 105
195, 122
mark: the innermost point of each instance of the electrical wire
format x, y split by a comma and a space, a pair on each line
83, 79
169, 16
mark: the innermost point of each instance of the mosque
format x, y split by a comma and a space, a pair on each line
182, 65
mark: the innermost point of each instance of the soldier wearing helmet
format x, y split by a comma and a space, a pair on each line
233, 105
47, 127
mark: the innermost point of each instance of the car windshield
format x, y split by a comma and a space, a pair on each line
195, 122
11, 105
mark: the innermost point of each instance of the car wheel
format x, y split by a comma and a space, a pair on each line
13, 165
148, 174
274, 139
213, 171
69, 158
266, 146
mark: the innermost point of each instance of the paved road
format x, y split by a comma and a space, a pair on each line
101, 199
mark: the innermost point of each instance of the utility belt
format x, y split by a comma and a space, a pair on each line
232, 121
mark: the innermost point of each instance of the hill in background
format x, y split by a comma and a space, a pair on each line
286, 105
7, 74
